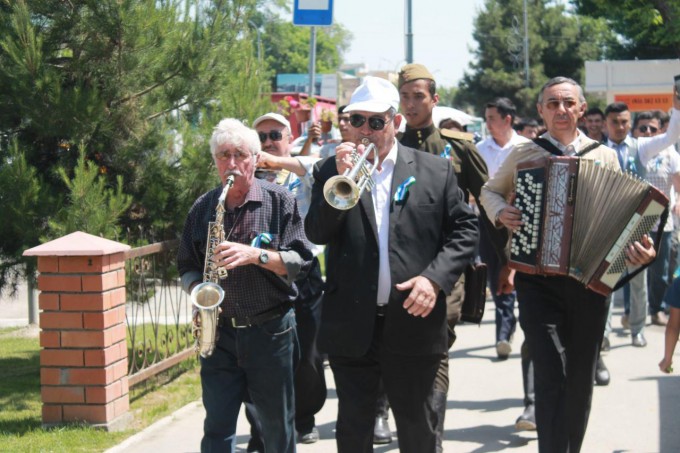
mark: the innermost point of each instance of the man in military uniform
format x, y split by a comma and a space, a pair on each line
418, 96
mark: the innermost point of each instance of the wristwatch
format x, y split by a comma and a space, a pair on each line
264, 257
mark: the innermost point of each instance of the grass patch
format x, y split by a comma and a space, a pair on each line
21, 407
151, 343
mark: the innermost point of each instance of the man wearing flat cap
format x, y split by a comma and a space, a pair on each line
418, 96
392, 258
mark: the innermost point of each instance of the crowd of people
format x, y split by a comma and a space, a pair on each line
396, 255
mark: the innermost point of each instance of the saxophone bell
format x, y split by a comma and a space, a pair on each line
206, 297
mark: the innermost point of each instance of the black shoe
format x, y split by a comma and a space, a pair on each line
601, 373
639, 340
526, 421
381, 431
309, 437
255, 445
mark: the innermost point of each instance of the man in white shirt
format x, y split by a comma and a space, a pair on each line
499, 115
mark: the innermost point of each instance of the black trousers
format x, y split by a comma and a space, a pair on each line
563, 323
310, 379
408, 381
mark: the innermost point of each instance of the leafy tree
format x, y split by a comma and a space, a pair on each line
115, 80
447, 95
559, 44
286, 46
648, 29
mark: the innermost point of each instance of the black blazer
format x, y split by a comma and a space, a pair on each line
432, 233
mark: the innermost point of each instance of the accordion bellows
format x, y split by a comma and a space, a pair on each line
579, 217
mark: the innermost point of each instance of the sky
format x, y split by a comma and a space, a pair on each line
442, 34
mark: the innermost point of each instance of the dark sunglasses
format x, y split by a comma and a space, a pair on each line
274, 136
374, 122
644, 129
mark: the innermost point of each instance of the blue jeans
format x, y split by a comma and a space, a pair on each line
257, 360
657, 274
506, 321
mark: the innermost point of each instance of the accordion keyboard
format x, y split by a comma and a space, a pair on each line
529, 200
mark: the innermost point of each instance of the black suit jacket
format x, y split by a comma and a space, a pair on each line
431, 233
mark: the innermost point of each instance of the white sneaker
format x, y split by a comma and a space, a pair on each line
503, 349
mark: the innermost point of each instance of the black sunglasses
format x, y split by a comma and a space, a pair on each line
274, 136
644, 128
374, 122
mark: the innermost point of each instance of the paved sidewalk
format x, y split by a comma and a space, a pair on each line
637, 412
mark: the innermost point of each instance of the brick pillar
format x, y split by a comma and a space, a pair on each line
83, 361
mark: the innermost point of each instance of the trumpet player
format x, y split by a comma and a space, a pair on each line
393, 255
262, 246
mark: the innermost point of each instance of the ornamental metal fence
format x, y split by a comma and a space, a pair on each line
157, 311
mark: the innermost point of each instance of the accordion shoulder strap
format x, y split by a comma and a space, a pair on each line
552, 149
588, 148
548, 146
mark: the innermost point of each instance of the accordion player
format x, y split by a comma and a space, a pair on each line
578, 217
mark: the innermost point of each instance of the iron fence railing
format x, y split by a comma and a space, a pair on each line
157, 311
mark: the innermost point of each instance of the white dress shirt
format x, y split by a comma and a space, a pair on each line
494, 155
381, 204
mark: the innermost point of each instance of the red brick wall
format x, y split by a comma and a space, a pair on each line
84, 355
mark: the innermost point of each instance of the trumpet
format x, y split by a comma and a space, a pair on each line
343, 191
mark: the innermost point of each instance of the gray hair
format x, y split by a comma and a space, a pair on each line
233, 132
558, 80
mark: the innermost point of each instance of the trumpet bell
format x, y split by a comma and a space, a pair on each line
341, 192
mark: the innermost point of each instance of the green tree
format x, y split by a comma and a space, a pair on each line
91, 206
559, 44
119, 79
24, 204
286, 46
648, 29
447, 95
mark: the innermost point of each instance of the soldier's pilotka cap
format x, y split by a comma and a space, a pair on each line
413, 71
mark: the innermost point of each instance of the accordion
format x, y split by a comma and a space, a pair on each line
578, 219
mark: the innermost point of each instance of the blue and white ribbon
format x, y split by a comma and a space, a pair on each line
402, 190
262, 238
446, 154
294, 184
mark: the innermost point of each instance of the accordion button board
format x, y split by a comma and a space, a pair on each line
578, 217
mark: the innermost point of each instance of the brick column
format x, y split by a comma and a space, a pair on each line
83, 361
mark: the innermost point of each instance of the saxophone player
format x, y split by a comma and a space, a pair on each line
262, 245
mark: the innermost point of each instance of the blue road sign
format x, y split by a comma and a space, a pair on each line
313, 13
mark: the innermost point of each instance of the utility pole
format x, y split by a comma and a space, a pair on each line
312, 60
527, 80
409, 32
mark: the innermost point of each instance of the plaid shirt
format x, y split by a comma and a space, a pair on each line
660, 171
250, 289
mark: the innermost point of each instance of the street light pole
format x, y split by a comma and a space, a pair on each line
312, 60
259, 40
409, 32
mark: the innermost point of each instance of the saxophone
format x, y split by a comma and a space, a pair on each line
208, 296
